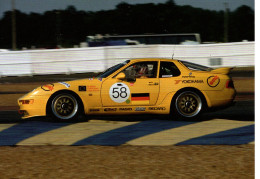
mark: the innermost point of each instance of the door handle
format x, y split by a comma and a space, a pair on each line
152, 83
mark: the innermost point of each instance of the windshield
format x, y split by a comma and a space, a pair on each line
112, 69
194, 66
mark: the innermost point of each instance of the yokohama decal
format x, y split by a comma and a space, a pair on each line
188, 81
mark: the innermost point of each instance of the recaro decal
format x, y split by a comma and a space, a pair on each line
157, 108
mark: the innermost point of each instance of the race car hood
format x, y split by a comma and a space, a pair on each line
223, 70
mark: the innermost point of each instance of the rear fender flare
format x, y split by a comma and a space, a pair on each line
204, 97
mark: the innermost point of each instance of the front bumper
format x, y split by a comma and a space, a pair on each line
37, 108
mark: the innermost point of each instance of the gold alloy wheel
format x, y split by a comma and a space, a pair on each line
188, 104
64, 106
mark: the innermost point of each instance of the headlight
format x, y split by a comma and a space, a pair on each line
26, 101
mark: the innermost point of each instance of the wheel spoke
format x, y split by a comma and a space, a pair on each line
188, 104
64, 106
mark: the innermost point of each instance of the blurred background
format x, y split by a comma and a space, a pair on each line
66, 24
79, 36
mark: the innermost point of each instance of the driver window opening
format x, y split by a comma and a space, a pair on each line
141, 70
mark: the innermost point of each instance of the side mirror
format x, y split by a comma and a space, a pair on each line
120, 76
131, 79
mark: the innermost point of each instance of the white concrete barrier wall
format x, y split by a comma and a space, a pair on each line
96, 59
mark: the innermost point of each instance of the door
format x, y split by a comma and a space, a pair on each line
168, 75
139, 88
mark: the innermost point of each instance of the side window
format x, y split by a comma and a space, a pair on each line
168, 69
142, 70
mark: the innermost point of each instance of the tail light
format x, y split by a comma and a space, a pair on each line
230, 84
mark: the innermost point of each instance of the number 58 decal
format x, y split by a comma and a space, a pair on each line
119, 92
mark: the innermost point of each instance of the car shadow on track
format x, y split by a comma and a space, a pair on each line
241, 111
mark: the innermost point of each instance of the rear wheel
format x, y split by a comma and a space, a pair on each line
64, 107
188, 105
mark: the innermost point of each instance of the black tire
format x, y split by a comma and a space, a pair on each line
187, 105
64, 107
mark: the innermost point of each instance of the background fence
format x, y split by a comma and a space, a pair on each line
96, 59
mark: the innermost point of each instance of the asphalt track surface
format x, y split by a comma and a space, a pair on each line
232, 126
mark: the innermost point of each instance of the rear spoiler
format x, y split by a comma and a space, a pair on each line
223, 70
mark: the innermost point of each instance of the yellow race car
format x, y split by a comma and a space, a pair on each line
139, 86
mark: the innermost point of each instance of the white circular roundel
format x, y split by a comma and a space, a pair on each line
119, 92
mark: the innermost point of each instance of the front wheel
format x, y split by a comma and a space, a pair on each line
64, 107
188, 105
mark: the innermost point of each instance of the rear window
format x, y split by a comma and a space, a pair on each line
168, 69
194, 66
